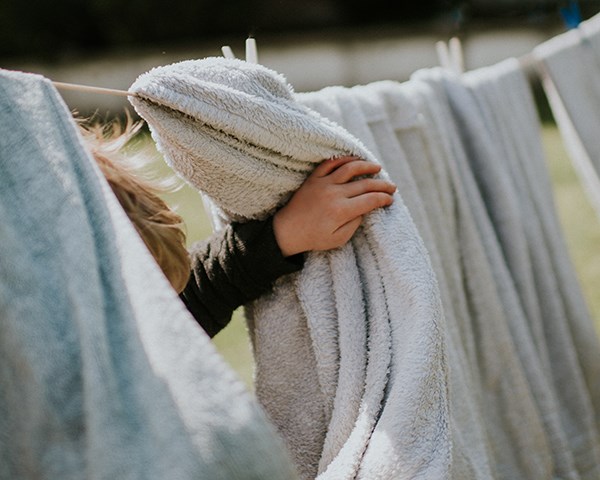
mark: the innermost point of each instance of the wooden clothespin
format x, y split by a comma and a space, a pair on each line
456, 55
227, 52
443, 54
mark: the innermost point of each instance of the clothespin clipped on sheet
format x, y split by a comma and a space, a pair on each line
571, 14
227, 52
451, 55
443, 54
456, 54
251, 51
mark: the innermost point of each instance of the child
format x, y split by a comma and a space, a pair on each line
240, 263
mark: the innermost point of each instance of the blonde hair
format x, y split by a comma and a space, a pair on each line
160, 227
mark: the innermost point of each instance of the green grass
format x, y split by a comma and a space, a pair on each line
580, 224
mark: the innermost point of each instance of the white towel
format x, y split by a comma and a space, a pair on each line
104, 374
197, 110
564, 332
427, 140
428, 134
569, 67
380, 113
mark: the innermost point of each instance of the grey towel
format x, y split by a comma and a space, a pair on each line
519, 199
569, 67
415, 131
382, 115
236, 132
104, 374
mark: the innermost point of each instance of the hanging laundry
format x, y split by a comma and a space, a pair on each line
569, 67
384, 115
557, 314
104, 374
226, 123
421, 139
498, 127
449, 338
473, 129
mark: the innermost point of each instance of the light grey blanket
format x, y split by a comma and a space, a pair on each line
351, 352
104, 374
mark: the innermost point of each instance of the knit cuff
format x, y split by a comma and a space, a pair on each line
264, 254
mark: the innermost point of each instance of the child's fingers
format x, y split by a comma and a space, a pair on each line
359, 187
331, 164
367, 202
346, 172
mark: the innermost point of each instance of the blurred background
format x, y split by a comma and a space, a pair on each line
314, 43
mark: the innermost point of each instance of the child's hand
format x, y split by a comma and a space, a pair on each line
327, 209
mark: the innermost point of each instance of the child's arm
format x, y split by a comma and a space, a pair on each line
240, 263
233, 267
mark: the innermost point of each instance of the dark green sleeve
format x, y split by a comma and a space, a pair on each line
231, 268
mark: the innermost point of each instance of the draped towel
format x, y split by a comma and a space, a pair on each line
508, 358
466, 154
351, 351
569, 66
518, 193
104, 373
413, 127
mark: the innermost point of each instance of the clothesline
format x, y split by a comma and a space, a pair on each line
92, 89
251, 57
447, 55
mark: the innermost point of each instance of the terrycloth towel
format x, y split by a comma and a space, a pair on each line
104, 374
569, 66
498, 219
418, 138
408, 123
519, 200
362, 323
379, 114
